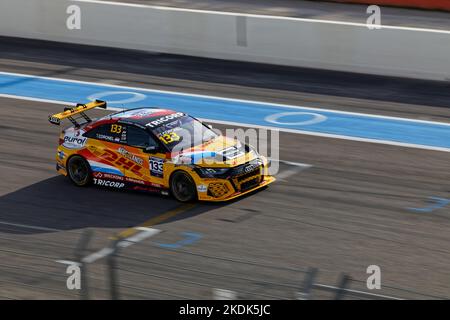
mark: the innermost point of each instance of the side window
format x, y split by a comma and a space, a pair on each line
113, 132
140, 138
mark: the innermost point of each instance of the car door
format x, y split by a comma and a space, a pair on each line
102, 150
151, 164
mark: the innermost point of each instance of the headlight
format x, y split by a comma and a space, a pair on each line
211, 172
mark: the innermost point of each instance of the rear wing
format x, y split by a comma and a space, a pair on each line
79, 109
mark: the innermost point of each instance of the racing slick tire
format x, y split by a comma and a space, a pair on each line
182, 187
79, 171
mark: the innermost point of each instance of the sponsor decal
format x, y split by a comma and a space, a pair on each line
61, 155
123, 136
137, 181
182, 159
98, 175
156, 167
193, 157
145, 188
120, 161
73, 142
55, 120
156, 185
108, 183
164, 119
232, 152
108, 176
130, 156
202, 188
104, 137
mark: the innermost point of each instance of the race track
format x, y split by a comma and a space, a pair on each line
351, 208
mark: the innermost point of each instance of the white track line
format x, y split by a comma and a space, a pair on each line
297, 168
221, 294
211, 97
69, 262
27, 226
358, 292
309, 133
291, 163
142, 235
97, 255
287, 173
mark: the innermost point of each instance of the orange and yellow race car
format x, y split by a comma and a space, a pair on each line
156, 150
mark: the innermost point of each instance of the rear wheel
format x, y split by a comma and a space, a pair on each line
79, 171
182, 187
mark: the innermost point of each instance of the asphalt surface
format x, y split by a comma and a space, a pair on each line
346, 212
318, 10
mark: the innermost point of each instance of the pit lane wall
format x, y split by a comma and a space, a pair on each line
275, 40
418, 4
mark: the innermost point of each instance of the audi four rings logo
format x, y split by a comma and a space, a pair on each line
249, 168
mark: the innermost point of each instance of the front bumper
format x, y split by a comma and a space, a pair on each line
231, 193
236, 185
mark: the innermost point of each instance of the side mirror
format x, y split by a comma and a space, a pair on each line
151, 149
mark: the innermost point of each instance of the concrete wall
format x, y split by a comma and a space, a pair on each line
285, 41
422, 4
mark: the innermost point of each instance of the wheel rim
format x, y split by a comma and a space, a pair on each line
78, 171
182, 188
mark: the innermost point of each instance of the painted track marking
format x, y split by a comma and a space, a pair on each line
438, 204
143, 234
155, 220
189, 238
422, 134
296, 167
27, 226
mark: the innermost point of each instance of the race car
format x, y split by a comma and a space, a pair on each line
156, 150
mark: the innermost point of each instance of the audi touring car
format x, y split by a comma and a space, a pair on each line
156, 150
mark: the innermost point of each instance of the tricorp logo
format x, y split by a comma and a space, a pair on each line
108, 183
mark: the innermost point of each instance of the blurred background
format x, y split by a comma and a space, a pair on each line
358, 90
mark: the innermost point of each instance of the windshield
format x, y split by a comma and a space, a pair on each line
183, 133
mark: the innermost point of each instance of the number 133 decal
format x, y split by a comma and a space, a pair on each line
156, 167
115, 128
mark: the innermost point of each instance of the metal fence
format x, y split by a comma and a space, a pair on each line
128, 275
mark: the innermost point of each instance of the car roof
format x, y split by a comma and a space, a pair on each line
139, 116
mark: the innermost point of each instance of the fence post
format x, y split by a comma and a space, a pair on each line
112, 270
80, 251
308, 284
342, 286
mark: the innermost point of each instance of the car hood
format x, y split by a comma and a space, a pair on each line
220, 152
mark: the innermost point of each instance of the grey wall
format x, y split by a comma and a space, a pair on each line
284, 41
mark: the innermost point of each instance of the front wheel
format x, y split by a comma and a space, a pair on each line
79, 171
183, 187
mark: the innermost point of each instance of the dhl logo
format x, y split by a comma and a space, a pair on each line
118, 160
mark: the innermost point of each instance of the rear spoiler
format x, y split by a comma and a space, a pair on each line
78, 109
